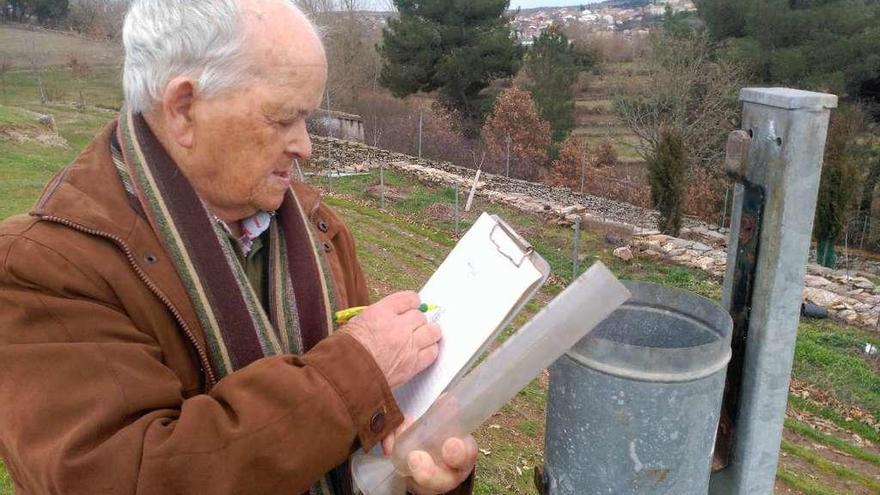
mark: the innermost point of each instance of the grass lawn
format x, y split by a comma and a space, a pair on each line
5, 481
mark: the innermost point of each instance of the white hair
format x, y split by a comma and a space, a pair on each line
164, 39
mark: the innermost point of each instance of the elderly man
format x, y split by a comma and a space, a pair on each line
166, 308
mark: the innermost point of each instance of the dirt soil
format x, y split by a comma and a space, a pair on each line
32, 134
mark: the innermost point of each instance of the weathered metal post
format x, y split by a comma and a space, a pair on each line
771, 225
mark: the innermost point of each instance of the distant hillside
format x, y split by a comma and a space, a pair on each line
24, 46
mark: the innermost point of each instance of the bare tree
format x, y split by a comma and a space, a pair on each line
98, 18
609, 46
687, 90
350, 36
317, 10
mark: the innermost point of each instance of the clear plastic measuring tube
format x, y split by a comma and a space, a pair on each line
482, 392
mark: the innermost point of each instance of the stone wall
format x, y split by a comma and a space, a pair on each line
561, 203
850, 297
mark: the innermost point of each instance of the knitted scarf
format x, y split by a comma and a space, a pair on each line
238, 330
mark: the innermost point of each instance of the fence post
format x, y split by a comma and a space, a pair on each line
420, 133
846, 249
724, 209
583, 171
302, 176
508, 154
382, 185
457, 212
329, 143
576, 254
782, 170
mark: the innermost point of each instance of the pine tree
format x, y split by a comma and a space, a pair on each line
667, 173
50, 11
553, 65
823, 45
841, 176
452, 46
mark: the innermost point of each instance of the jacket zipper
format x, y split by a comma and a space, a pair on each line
203, 355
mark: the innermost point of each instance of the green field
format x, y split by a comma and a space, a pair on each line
832, 428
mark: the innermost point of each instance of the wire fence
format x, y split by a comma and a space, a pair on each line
418, 134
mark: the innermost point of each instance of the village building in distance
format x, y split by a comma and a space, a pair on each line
625, 16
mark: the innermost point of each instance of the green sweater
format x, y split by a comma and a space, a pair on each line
255, 264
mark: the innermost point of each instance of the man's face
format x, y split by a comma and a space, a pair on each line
245, 140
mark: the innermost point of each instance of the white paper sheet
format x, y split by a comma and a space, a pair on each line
475, 288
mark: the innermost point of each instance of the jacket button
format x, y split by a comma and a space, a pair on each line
322, 226
327, 246
377, 423
150, 259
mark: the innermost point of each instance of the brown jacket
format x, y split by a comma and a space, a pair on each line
105, 383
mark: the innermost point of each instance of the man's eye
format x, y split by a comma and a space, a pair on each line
285, 122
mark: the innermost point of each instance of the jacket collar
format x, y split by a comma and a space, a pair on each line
88, 192
88, 195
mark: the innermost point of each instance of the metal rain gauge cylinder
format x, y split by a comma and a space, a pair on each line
633, 407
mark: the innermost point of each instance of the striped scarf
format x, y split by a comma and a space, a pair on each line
238, 330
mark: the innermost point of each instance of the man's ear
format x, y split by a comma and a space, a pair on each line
177, 105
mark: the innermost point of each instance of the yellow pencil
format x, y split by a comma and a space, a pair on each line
344, 316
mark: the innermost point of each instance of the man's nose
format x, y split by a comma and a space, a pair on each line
299, 143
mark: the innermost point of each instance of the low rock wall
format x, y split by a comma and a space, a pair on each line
850, 297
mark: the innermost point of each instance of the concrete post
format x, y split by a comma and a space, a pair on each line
788, 129
420, 133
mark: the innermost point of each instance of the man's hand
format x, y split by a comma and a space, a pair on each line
430, 478
398, 336
427, 477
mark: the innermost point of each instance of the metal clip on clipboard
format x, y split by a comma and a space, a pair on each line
527, 252
522, 244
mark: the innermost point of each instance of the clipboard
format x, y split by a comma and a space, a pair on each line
528, 254
492, 241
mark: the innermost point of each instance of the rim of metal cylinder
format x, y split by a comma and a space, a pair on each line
662, 364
